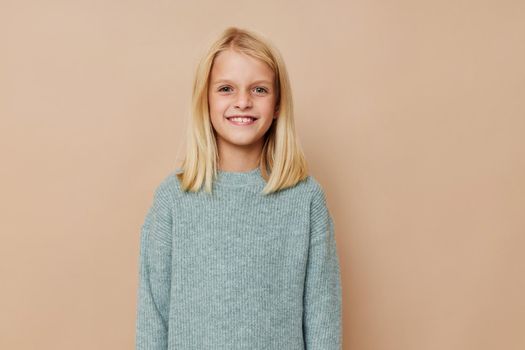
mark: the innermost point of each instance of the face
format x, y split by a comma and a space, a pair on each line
241, 86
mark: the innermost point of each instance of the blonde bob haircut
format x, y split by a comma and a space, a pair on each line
282, 161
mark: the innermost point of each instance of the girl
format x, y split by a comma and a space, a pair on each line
238, 248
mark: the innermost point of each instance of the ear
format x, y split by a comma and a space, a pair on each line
276, 114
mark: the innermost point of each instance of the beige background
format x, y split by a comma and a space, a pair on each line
411, 113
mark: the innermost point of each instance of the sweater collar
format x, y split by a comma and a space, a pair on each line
238, 178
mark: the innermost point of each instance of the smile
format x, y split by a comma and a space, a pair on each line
242, 121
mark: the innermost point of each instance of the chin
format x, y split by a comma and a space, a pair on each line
243, 142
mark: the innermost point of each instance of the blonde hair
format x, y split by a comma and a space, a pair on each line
282, 161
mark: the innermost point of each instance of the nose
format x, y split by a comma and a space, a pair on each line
243, 100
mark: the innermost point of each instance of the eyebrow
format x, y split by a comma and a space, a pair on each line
255, 82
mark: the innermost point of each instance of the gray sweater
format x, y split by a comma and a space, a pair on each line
238, 270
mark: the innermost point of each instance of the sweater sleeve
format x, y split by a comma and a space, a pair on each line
322, 316
153, 296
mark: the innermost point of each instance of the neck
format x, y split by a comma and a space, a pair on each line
235, 158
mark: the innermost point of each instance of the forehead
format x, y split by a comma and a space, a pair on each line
235, 66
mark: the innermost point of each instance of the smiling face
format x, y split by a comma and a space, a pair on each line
241, 85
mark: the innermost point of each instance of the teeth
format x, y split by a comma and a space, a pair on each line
241, 120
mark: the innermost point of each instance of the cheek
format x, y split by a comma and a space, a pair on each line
269, 108
217, 104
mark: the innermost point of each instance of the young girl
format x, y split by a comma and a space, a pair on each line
238, 248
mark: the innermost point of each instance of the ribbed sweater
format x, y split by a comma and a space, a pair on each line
236, 269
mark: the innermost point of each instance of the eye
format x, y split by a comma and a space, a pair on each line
263, 89
223, 87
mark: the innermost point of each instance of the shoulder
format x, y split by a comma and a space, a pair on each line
319, 210
307, 189
166, 191
315, 188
